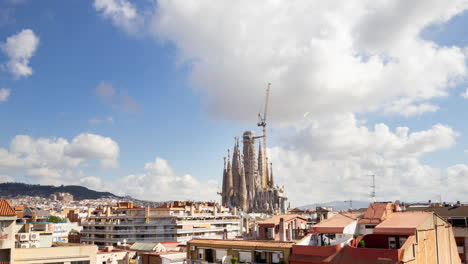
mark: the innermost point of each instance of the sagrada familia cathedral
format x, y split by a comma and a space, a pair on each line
248, 182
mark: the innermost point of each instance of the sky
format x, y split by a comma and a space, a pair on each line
144, 97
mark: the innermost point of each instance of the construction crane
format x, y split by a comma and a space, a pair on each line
262, 120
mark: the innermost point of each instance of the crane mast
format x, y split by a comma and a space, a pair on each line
262, 122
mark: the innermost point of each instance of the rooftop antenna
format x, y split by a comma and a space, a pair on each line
372, 195
350, 202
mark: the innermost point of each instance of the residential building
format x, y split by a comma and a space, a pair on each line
337, 230
176, 221
201, 251
457, 216
163, 258
285, 227
7, 238
71, 254
397, 237
111, 255
376, 213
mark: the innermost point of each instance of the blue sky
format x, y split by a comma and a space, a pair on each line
186, 78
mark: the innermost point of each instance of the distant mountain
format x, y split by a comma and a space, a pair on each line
10, 190
338, 205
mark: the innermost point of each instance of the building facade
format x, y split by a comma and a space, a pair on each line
7, 232
177, 221
248, 182
201, 251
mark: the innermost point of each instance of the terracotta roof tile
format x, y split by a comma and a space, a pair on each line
377, 212
276, 218
336, 223
402, 223
5, 209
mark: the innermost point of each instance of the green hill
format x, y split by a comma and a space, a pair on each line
11, 190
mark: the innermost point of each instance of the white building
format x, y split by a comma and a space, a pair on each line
178, 221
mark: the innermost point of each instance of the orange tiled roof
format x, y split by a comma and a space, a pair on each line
377, 212
245, 243
276, 218
336, 223
402, 223
5, 209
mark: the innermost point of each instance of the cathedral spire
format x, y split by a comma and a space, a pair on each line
242, 190
272, 183
224, 189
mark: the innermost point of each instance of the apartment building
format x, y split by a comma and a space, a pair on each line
203, 251
7, 238
176, 221
395, 237
285, 227
457, 216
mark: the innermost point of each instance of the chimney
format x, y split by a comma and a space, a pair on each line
282, 233
225, 235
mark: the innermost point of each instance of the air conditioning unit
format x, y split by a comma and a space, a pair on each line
34, 236
22, 236
34, 244
24, 245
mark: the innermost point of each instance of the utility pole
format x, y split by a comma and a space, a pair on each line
350, 202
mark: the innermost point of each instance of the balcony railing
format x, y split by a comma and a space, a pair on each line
124, 223
159, 231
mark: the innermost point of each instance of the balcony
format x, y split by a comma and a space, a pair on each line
158, 231
125, 223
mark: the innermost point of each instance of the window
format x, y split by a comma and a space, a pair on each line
200, 254
80, 262
369, 226
245, 257
457, 222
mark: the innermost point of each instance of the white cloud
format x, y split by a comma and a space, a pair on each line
160, 183
20, 48
321, 57
332, 157
330, 60
4, 94
121, 12
91, 146
109, 95
55, 160
465, 94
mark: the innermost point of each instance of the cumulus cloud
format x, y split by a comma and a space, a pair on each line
4, 94
55, 159
108, 95
337, 154
331, 60
159, 182
322, 57
19, 49
96, 147
121, 12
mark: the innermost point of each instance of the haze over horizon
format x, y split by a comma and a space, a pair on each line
144, 97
